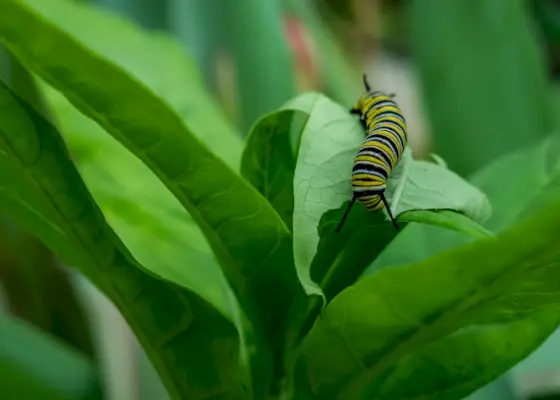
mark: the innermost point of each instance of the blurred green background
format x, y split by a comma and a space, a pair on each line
254, 55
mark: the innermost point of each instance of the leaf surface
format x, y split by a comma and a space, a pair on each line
269, 158
157, 230
373, 328
193, 347
243, 230
155, 60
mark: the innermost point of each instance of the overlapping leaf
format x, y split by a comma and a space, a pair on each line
156, 60
374, 328
269, 158
194, 348
244, 231
150, 221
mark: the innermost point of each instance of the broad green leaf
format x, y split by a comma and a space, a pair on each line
377, 326
193, 347
322, 181
35, 365
154, 59
480, 354
244, 231
269, 159
154, 226
485, 88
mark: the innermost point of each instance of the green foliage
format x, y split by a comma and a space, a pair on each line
485, 89
263, 67
237, 285
44, 193
232, 219
27, 357
269, 159
400, 320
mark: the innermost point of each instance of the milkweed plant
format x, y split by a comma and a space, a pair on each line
222, 254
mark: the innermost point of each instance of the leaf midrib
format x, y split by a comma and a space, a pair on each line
352, 389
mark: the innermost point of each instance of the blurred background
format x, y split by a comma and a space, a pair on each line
253, 56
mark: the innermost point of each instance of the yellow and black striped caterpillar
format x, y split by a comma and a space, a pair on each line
379, 153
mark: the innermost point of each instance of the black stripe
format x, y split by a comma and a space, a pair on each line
389, 143
371, 167
375, 104
393, 145
366, 193
381, 116
376, 152
373, 133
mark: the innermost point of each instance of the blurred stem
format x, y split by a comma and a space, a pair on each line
151, 14
199, 26
40, 291
261, 56
343, 82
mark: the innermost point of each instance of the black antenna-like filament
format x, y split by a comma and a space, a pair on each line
346, 214
386, 203
366, 84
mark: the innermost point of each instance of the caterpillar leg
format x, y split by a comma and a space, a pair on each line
384, 200
346, 214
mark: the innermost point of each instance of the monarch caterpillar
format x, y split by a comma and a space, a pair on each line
379, 153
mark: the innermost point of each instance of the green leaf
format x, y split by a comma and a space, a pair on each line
155, 60
193, 347
380, 325
269, 159
35, 365
156, 229
449, 220
244, 231
322, 182
485, 88
484, 354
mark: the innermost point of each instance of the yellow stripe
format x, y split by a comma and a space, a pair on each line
371, 159
385, 149
374, 113
386, 118
402, 132
366, 176
393, 138
366, 185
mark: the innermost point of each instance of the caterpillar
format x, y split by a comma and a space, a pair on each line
379, 153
